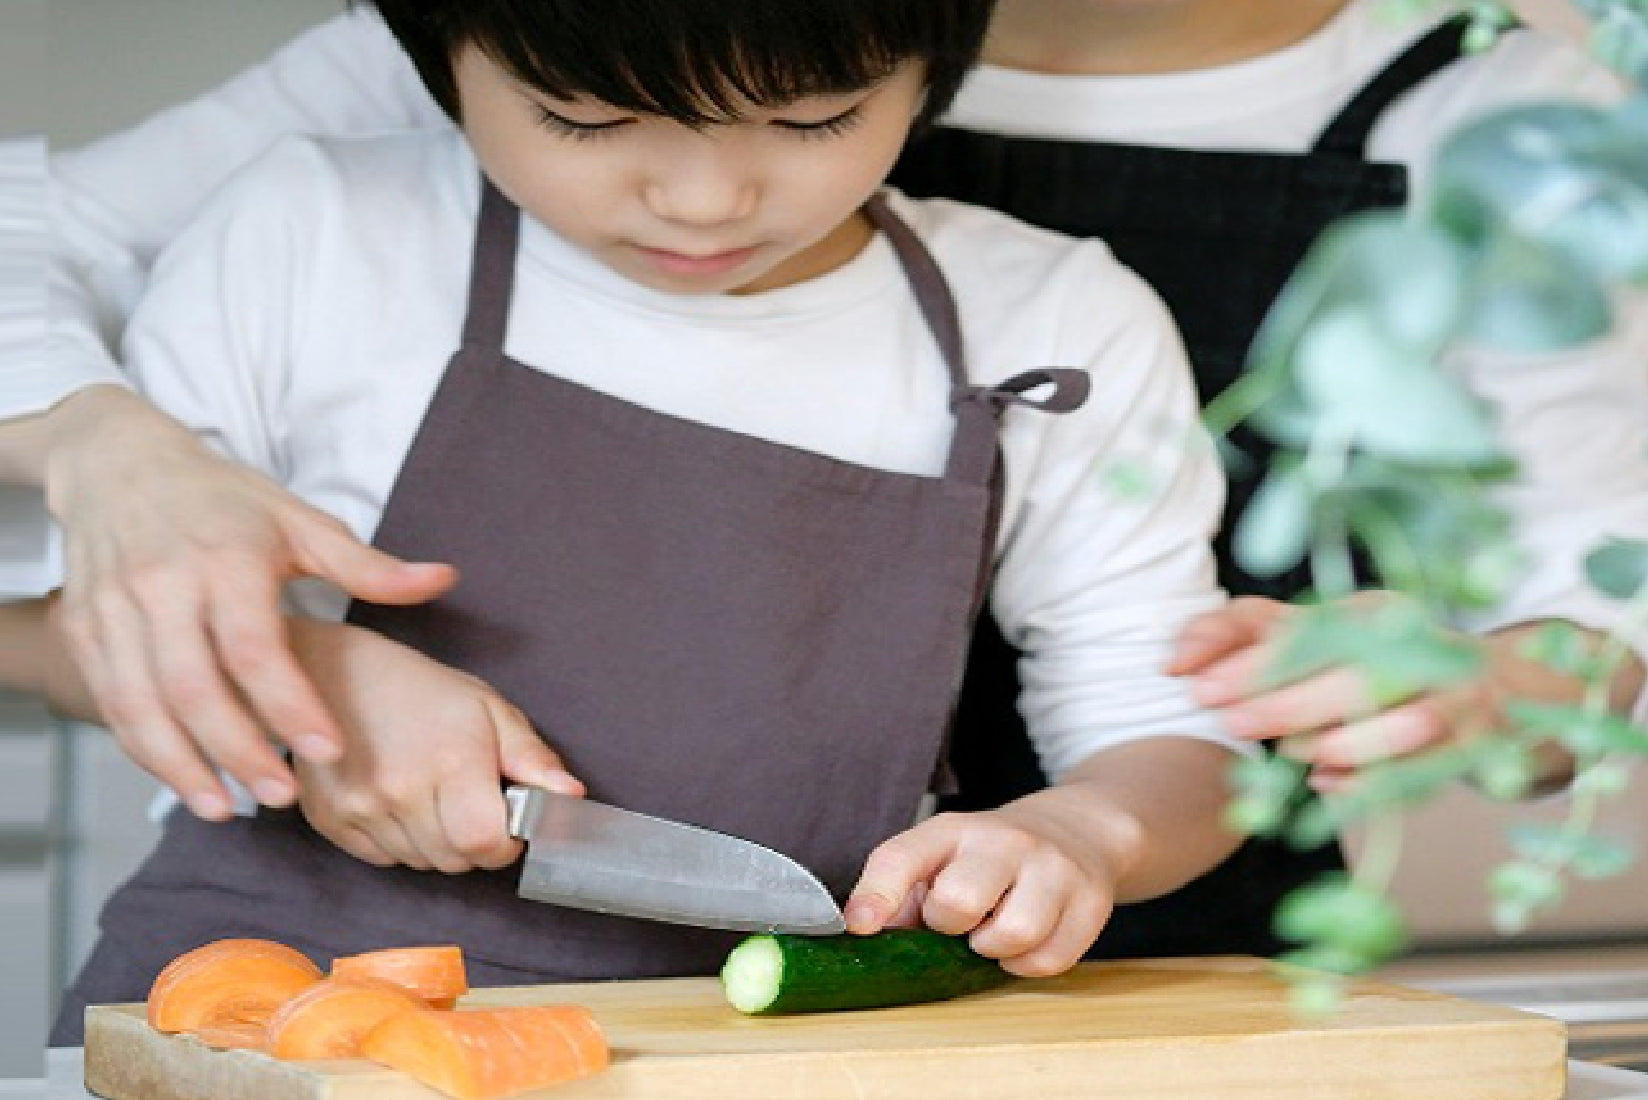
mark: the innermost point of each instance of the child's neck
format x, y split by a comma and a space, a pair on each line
1140, 37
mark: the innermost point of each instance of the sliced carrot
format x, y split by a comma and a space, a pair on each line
435, 973
329, 1019
487, 1054
234, 1037
227, 983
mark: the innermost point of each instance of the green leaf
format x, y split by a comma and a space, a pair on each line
1389, 399
1588, 856
1275, 528
1618, 567
1505, 770
1603, 780
1338, 913
1586, 734
1529, 297
1526, 884
1562, 647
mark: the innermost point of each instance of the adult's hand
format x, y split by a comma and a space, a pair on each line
174, 563
426, 749
1330, 721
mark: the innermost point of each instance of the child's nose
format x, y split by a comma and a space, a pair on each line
701, 190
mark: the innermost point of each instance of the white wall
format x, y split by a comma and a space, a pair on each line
115, 61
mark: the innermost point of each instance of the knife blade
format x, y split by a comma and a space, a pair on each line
588, 855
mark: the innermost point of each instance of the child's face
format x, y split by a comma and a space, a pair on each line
761, 202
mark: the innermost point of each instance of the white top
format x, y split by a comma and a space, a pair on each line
300, 328
1578, 431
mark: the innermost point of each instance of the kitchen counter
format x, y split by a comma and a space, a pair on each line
1585, 1081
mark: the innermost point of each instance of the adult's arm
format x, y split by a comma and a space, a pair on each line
116, 203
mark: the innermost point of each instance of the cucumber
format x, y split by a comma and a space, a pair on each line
770, 975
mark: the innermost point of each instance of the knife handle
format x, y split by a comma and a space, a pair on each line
524, 803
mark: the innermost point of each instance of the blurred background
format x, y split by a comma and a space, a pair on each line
72, 810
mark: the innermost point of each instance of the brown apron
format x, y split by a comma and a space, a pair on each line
707, 626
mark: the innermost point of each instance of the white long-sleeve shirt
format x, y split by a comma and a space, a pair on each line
1578, 431
299, 327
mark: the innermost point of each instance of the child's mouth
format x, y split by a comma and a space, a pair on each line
687, 263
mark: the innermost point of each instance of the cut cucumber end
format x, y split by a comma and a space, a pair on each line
753, 974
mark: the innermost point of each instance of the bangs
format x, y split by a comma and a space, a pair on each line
693, 61
706, 62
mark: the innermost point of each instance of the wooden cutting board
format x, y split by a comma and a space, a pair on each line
1180, 1029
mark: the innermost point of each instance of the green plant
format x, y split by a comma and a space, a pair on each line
1530, 217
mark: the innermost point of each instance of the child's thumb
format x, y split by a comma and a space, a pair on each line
524, 758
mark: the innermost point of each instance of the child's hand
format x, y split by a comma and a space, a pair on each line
1022, 882
425, 749
174, 564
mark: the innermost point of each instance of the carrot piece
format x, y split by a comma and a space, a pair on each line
329, 1019
435, 973
488, 1054
234, 1037
227, 983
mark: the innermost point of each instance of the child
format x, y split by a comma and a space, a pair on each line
710, 427
1183, 95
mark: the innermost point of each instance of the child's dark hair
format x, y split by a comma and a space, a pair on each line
693, 60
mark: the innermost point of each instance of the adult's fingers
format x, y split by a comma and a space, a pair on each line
108, 643
1327, 700
194, 692
325, 548
1423, 723
1216, 634
249, 633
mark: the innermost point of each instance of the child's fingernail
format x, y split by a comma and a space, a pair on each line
862, 917
272, 792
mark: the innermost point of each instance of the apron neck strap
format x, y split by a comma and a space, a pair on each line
1347, 135
492, 271
931, 288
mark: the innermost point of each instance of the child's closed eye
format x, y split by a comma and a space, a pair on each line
572, 128
834, 126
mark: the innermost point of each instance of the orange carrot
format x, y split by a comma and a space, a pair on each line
329, 1019
234, 1037
488, 1054
434, 973
227, 983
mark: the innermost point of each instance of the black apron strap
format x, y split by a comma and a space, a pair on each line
492, 271
1347, 134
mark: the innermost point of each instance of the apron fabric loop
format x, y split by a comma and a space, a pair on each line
1347, 135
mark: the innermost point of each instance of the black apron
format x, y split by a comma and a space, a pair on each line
1217, 234
707, 626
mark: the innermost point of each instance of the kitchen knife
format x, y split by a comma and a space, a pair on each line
587, 855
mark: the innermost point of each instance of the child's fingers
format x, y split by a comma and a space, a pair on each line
970, 886
893, 870
523, 757
1078, 925
1028, 905
475, 821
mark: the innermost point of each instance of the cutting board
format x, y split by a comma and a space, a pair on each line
1179, 1029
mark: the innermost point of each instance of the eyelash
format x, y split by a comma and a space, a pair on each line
577, 131
829, 128
806, 131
